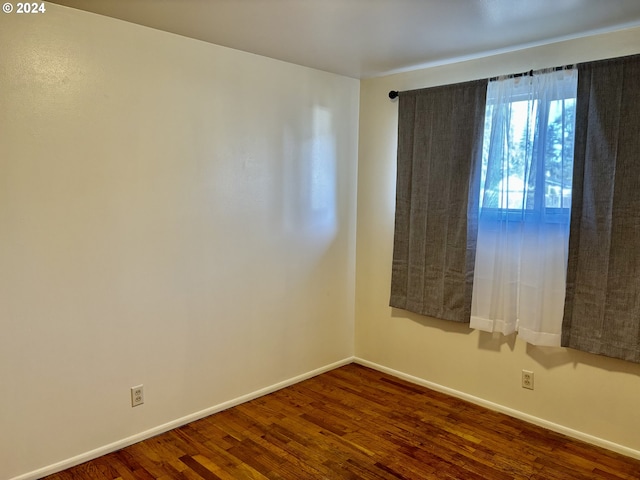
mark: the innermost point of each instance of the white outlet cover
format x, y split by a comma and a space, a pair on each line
137, 395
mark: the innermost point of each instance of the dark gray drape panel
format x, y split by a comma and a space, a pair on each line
602, 306
439, 145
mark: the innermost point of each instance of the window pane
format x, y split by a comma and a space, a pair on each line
507, 185
527, 160
559, 154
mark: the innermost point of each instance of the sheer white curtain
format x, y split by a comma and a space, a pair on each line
525, 198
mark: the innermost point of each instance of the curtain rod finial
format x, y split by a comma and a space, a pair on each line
393, 94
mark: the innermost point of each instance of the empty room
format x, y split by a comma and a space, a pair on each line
299, 239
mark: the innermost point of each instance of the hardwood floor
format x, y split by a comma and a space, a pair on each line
357, 423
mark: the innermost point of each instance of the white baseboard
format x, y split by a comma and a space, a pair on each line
569, 432
125, 442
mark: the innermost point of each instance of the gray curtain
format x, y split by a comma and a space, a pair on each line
439, 145
602, 306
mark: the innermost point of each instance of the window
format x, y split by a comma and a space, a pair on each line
488, 239
529, 136
525, 198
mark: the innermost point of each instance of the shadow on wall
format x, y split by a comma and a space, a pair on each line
547, 357
553, 357
494, 341
431, 322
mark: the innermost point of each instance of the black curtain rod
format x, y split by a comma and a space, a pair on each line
531, 73
516, 75
393, 94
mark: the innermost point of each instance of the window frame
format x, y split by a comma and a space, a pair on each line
565, 92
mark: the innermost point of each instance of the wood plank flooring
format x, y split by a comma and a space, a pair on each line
357, 423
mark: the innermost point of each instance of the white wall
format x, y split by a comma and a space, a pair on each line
594, 397
172, 213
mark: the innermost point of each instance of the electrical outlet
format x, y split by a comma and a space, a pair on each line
137, 395
527, 379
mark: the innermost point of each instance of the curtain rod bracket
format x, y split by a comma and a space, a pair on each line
393, 94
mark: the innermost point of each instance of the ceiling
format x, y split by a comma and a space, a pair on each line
366, 38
